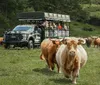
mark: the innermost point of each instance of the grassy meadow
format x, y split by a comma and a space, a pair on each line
24, 67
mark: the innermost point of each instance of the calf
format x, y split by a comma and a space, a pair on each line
49, 48
70, 58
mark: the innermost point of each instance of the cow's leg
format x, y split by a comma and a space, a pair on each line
59, 69
47, 62
51, 63
67, 73
94, 46
75, 74
97, 45
74, 80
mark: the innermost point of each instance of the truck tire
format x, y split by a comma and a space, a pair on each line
30, 44
6, 46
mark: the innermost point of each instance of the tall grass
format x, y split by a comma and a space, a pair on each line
24, 67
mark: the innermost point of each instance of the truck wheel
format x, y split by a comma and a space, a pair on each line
30, 44
6, 46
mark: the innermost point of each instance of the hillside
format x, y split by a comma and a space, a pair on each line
83, 30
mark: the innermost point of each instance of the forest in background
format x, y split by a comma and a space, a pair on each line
85, 11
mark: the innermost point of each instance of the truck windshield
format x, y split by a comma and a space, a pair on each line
22, 28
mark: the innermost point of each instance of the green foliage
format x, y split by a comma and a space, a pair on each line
4, 24
91, 8
95, 1
77, 29
95, 14
8, 12
90, 2
94, 11
29, 9
71, 7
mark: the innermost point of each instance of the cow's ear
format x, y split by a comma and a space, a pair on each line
80, 42
64, 41
53, 41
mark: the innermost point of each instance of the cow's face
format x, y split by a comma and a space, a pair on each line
56, 43
72, 46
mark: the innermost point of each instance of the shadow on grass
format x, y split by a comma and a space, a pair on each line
62, 81
45, 71
17, 48
20, 48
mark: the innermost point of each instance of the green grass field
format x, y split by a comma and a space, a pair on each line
24, 67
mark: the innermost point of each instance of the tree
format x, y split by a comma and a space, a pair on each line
71, 7
9, 10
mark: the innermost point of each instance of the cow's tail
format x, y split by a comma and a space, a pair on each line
42, 57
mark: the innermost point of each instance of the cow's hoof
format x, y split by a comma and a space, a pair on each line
67, 76
51, 69
77, 76
59, 72
74, 82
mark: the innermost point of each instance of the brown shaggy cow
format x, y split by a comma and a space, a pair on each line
49, 48
97, 42
70, 58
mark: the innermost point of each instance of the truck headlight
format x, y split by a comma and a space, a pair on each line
24, 36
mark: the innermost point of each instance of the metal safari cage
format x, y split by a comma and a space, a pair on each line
53, 25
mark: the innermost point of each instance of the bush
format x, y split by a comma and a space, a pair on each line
4, 22
94, 21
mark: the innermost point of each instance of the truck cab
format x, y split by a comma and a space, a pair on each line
23, 35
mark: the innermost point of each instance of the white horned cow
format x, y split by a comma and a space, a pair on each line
70, 58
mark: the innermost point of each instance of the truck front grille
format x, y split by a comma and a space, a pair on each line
14, 37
